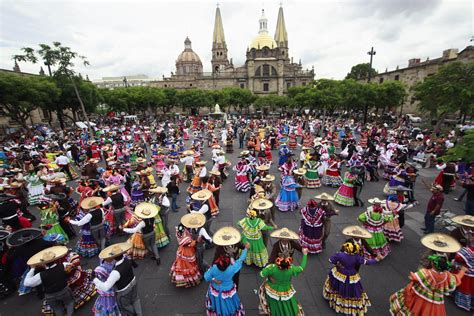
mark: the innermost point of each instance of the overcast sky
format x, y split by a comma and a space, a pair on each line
145, 36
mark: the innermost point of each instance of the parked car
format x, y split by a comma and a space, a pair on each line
413, 119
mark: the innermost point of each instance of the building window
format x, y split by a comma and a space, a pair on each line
242, 85
265, 87
45, 113
274, 71
397, 77
190, 84
166, 86
266, 70
304, 83
258, 73
288, 85
380, 80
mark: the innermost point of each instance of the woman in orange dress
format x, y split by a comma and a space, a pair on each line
185, 269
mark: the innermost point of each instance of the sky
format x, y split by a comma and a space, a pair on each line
127, 37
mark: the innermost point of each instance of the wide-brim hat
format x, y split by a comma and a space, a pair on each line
111, 188
216, 146
284, 233
215, 172
464, 220
56, 196
441, 243
146, 210
268, 178
93, 160
261, 204
244, 153
23, 236
226, 236
4, 234
48, 255
145, 172
325, 196
111, 158
15, 170
201, 162
188, 152
220, 152
202, 195
263, 168
91, 202
356, 231
299, 171
58, 180
158, 190
376, 200
306, 148
141, 160
193, 220
13, 185
115, 250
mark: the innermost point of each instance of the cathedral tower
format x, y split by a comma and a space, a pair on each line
219, 47
281, 36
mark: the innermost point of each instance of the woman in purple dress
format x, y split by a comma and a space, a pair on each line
106, 303
311, 228
343, 288
137, 193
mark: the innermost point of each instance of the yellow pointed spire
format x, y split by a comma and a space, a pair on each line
281, 37
218, 37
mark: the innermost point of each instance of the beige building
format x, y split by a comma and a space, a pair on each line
417, 70
123, 81
268, 68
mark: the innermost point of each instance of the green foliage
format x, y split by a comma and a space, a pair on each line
272, 102
464, 149
361, 71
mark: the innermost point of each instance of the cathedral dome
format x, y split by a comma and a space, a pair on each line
262, 40
188, 55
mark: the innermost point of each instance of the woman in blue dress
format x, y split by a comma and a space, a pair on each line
222, 298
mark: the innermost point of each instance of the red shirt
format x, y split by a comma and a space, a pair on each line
436, 199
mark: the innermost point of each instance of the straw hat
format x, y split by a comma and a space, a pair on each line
111, 158
193, 220
216, 146
226, 236
465, 220
263, 168
188, 152
261, 204
22, 236
145, 172
15, 170
110, 188
58, 180
268, 178
202, 195
376, 201
284, 233
356, 231
325, 196
300, 171
441, 243
258, 188
220, 152
215, 172
244, 153
201, 163
93, 160
158, 190
146, 210
13, 185
115, 250
91, 202
48, 255
141, 160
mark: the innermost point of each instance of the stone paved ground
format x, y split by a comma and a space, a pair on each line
160, 297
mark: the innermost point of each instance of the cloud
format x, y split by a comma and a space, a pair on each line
124, 37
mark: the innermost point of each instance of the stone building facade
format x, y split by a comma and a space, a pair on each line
418, 70
268, 68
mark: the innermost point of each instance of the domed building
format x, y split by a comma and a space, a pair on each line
268, 68
188, 62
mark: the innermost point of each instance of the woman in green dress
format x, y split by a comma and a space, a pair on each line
311, 176
160, 234
252, 227
277, 293
50, 223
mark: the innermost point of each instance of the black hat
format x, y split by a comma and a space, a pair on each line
6, 197
23, 236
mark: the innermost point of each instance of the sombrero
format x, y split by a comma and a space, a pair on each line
48, 255
145, 172
356, 231
111, 158
216, 146
284, 233
202, 195
324, 196
465, 220
22, 236
91, 202
193, 220
376, 200
110, 188
441, 243
300, 171
13, 185
93, 160
261, 204
158, 190
58, 180
188, 152
141, 160
263, 168
146, 210
15, 170
115, 250
201, 163
268, 178
226, 236
259, 188
244, 153
215, 172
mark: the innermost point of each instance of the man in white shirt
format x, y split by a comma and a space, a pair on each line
188, 161
63, 162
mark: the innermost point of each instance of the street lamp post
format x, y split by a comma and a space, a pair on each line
369, 76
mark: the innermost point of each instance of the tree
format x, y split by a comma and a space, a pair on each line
390, 94
361, 71
237, 98
464, 149
19, 95
272, 102
448, 91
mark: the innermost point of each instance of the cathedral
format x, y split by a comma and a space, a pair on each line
268, 68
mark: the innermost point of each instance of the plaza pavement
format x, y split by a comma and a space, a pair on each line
160, 297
